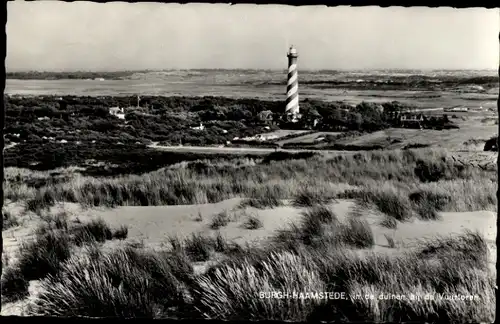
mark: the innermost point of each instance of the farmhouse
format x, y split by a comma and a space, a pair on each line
412, 121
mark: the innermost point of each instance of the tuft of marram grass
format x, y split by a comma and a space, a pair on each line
97, 230
321, 212
357, 233
232, 291
390, 241
468, 247
308, 196
44, 255
9, 220
13, 284
126, 283
220, 220
390, 202
265, 196
389, 222
253, 222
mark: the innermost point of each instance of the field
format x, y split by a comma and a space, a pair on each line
403, 233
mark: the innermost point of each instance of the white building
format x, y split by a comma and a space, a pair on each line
201, 127
118, 112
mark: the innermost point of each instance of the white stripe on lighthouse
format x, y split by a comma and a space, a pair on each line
293, 105
292, 68
292, 79
293, 90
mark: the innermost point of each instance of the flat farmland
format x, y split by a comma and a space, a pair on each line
471, 136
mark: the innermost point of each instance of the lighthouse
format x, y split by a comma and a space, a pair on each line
292, 88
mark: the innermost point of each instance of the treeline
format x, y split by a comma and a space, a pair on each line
78, 75
114, 159
170, 119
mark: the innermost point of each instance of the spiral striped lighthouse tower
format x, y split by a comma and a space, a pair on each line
292, 89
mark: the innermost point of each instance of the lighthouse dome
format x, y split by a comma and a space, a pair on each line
293, 50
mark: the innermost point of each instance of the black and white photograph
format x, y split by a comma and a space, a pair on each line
250, 162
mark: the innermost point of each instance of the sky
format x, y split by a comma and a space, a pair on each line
87, 36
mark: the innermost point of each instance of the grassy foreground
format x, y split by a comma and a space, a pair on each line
81, 277
317, 256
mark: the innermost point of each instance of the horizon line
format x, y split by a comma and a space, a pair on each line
250, 69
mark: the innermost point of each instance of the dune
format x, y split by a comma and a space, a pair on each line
153, 224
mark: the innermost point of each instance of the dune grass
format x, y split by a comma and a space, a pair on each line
220, 220
265, 196
9, 220
306, 181
318, 254
319, 226
199, 247
123, 283
51, 246
253, 222
138, 282
223, 292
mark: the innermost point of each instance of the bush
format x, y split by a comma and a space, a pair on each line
220, 220
428, 171
253, 222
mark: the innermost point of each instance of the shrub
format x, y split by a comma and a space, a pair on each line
436, 200
429, 171
220, 220
253, 222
